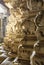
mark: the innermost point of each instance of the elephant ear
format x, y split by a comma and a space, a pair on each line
28, 26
